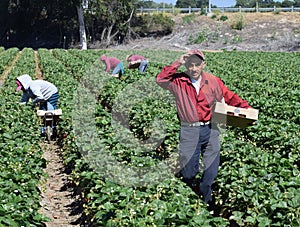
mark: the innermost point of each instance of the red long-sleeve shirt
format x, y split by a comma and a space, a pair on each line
110, 62
193, 107
136, 57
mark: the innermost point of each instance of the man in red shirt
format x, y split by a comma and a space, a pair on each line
137, 61
196, 93
114, 64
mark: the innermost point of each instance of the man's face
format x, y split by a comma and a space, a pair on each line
194, 66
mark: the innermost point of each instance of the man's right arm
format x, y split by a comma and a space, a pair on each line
107, 66
165, 77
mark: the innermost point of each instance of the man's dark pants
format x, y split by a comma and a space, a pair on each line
196, 141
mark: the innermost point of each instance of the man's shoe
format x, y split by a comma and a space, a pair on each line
196, 189
213, 208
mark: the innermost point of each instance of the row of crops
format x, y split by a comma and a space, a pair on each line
120, 139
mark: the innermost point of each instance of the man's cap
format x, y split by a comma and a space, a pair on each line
197, 52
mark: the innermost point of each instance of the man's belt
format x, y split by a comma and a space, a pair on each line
195, 124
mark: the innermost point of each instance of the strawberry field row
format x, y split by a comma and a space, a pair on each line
6, 58
21, 156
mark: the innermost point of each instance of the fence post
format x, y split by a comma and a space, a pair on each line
274, 8
257, 7
292, 8
64, 45
190, 10
240, 9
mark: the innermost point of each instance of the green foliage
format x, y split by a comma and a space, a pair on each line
204, 35
287, 3
200, 38
185, 3
7, 57
191, 3
214, 16
236, 39
261, 3
296, 3
223, 18
188, 19
153, 24
105, 20
297, 31
21, 160
238, 23
40, 20
153, 5
49, 24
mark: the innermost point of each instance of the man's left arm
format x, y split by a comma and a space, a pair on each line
232, 98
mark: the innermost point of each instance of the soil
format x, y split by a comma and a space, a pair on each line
59, 202
38, 71
260, 32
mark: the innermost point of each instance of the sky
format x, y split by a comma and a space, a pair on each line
218, 3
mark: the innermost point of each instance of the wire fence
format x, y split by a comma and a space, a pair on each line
221, 9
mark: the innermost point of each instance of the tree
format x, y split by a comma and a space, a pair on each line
242, 3
186, 3
266, 3
202, 3
287, 3
109, 21
80, 15
36, 23
297, 3
147, 4
82, 33
55, 23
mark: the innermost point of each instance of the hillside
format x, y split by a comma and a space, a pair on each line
260, 32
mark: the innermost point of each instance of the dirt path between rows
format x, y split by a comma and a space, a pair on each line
59, 201
37, 67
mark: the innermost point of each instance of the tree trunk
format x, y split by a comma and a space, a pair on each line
82, 34
110, 36
128, 33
